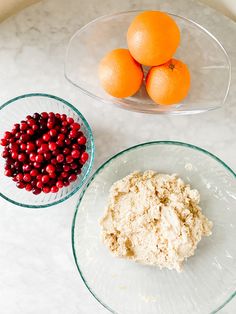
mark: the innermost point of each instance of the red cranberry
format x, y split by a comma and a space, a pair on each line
59, 184
46, 137
81, 140
52, 146
73, 133
24, 138
31, 122
8, 173
64, 123
28, 187
47, 155
9, 161
20, 185
75, 126
66, 168
56, 152
5, 153
51, 115
36, 191
75, 154
54, 189
26, 168
30, 146
63, 130
16, 126
14, 155
3, 142
17, 164
75, 146
70, 120
39, 142
12, 140
72, 178
34, 173
74, 166
60, 158
36, 116
46, 189
23, 126
19, 176
13, 131
27, 177
44, 148
30, 132
66, 151
67, 141
39, 177
45, 179
35, 127
53, 161
32, 157
7, 135
50, 125
59, 143
53, 132
17, 135
39, 184
66, 183
64, 174
63, 117
61, 137
37, 165
52, 175
50, 168
69, 159
44, 115
39, 158
21, 157
23, 146
33, 182
84, 157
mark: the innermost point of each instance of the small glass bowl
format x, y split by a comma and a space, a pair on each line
207, 60
16, 110
208, 279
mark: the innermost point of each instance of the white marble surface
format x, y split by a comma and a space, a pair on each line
37, 270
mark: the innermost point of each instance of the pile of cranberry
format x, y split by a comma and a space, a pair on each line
45, 152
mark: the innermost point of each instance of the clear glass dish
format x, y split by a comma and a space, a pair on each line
208, 280
16, 110
207, 60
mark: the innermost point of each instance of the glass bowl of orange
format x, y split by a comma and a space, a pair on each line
205, 58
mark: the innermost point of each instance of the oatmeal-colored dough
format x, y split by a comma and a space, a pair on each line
153, 219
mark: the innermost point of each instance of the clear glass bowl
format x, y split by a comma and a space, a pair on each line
208, 280
207, 60
16, 110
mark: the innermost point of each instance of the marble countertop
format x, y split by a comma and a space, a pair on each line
37, 270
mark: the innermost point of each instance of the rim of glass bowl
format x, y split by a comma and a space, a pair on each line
107, 163
116, 100
91, 139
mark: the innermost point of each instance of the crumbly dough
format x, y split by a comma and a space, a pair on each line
153, 219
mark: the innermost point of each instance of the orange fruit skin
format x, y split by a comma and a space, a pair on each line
168, 83
120, 75
153, 38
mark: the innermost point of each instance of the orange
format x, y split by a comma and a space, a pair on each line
168, 83
153, 38
120, 75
